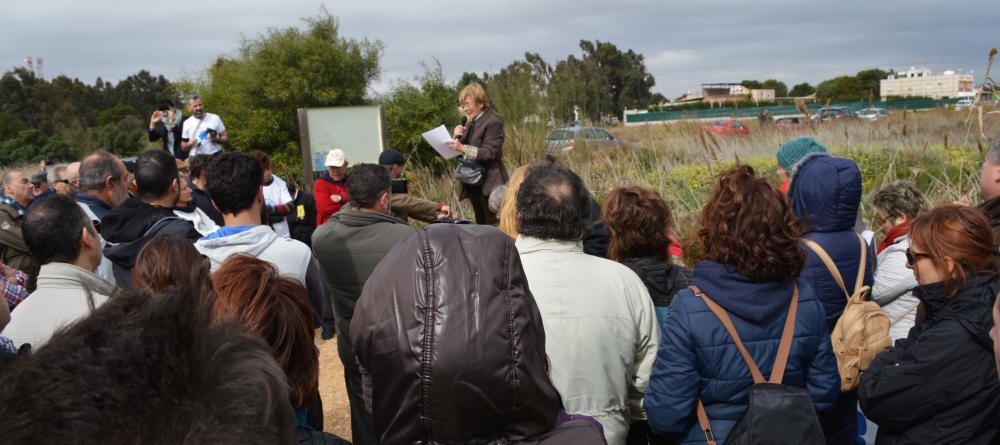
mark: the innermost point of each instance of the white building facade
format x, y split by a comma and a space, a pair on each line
923, 83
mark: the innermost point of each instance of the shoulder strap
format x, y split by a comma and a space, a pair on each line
780, 362
828, 262
862, 265
832, 267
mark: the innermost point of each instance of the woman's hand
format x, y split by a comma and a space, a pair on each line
459, 131
456, 146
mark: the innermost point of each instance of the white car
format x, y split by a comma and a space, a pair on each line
963, 104
873, 114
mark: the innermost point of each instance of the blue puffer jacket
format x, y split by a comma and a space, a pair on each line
698, 359
825, 194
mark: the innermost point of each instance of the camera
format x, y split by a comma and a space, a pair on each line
212, 133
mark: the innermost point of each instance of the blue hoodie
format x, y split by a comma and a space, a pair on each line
825, 194
698, 359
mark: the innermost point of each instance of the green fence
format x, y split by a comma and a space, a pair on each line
777, 110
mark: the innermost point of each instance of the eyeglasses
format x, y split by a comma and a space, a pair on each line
64, 181
912, 257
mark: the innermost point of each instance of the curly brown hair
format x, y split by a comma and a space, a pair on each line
748, 225
640, 222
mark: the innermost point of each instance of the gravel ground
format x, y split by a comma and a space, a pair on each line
336, 410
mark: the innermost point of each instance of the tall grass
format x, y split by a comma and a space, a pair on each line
678, 160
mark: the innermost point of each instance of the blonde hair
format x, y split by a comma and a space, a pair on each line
474, 91
508, 206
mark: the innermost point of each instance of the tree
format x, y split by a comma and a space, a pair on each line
625, 83
870, 80
841, 89
779, 87
411, 110
258, 92
752, 84
802, 89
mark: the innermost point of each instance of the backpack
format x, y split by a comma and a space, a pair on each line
776, 414
862, 331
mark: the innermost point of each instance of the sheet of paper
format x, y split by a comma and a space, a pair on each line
439, 138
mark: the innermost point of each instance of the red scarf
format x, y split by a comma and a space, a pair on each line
894, 233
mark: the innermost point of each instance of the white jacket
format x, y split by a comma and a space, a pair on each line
893, 287
65, 294
291, 257
601, 333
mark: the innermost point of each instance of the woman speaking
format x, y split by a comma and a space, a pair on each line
480, 140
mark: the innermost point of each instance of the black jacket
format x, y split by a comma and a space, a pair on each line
454, 342
159, 132
201, 200
939, 385
128, 227
303, 228
662, 280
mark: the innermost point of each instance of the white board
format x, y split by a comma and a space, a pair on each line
358, 130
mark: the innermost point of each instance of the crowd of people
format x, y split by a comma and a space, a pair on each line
176, 298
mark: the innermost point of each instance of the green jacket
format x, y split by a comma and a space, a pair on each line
348, 247
13, 251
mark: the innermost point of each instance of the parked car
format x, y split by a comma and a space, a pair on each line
873, 114
565, 139
790, 122
963, 104
836, 112
727, 126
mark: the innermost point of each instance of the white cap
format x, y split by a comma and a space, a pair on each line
336, 158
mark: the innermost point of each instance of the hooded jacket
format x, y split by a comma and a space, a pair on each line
825, 194
65, 294
939, 385
454, 344
699, 360
128, 227
289, 256
663, 280
991, 209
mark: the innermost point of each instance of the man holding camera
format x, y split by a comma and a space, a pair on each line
203, 133
165, 124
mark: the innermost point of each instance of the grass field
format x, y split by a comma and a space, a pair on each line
940, 150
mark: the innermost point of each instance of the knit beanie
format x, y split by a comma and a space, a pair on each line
795, 150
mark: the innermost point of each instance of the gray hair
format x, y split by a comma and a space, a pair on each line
195, 97
7, 179
55, 172
900, 198
96, 167
496, 198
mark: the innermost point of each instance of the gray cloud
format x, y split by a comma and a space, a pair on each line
685, 42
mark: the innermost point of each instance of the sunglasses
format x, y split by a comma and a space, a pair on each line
912, 257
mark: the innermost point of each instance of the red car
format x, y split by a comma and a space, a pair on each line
727, 126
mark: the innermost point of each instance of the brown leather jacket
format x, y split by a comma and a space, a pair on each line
453, 343
487, 137
13, 250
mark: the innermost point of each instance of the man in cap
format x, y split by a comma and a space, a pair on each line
41, 183
403, 204
330, 189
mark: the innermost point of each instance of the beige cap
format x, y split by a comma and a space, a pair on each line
336, 158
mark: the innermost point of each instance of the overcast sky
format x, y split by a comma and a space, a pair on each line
685, 43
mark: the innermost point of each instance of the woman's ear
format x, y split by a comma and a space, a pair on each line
950, 265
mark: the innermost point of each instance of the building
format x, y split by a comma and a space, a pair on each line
714, 93
921, 82
762, 95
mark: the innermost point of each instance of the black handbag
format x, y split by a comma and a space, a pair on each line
776, 414
470, 173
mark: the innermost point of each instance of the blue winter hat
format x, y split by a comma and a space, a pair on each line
795, 150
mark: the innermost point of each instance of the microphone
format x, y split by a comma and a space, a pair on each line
464, 120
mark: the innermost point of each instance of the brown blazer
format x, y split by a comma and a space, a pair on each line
487, 136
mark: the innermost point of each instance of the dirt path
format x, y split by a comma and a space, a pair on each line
336, 410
